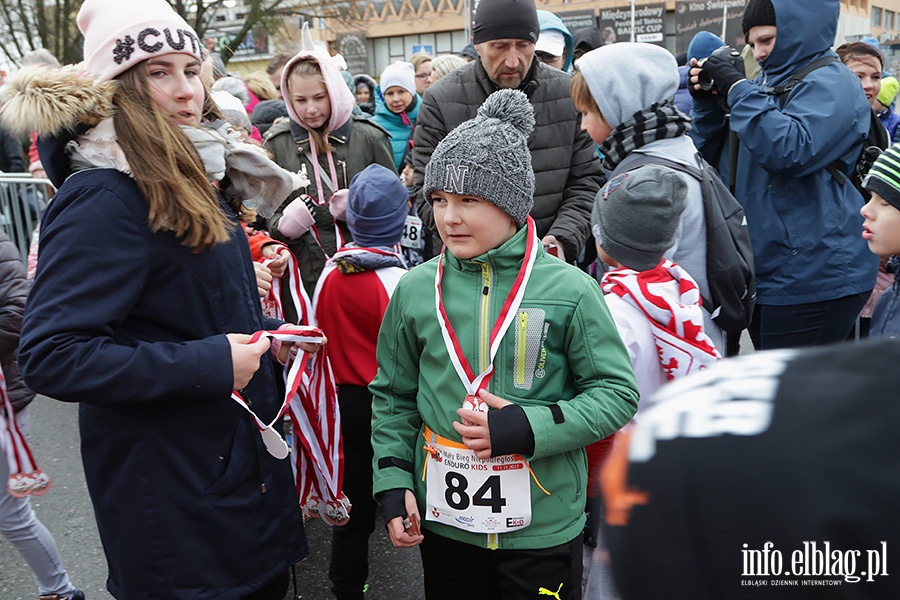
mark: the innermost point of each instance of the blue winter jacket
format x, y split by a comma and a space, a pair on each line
392, 122
886, 317
804, 222
547, 20
132, 325
890, 119
683, 100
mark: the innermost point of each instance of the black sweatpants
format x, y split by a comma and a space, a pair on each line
455, 570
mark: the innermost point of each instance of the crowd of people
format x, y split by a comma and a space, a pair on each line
490, 275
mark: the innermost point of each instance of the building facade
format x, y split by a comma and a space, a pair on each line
371, 34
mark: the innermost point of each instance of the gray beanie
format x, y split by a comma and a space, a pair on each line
637, 214
488, 156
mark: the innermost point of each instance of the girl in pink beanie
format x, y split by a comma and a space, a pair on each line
143, 307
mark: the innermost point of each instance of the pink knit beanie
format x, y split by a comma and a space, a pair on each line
119, 35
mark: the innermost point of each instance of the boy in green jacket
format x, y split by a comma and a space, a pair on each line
496, 478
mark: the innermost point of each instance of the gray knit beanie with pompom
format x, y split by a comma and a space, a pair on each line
488, 156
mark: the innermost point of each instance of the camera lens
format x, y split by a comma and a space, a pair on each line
706, 82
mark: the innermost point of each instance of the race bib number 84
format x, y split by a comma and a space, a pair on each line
478, 495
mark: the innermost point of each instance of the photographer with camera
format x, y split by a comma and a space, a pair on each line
800, 126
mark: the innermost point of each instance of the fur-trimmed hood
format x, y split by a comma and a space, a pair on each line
53, 101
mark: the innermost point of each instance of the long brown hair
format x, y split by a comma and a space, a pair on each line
166, 166
310, 68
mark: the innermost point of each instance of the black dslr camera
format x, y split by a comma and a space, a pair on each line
728, 53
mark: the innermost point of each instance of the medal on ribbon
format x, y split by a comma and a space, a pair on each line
474, 383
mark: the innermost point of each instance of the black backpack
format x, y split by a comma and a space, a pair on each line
875, 143
729, 256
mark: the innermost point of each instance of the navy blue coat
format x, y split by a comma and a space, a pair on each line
131, 324
804, 223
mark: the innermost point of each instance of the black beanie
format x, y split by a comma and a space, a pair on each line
758, 12
505, 19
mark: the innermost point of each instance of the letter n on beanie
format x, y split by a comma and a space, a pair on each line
456, 179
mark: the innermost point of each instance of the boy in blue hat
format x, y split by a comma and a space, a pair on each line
349, 302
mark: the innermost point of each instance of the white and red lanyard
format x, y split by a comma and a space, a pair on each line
474, 383
320, 198
24, 476
294, 370
338, 235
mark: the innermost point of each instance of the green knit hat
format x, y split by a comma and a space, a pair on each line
889, 88
884, 176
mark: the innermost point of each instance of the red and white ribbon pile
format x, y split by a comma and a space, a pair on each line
311, 403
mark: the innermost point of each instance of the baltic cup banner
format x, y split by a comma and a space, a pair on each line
615, 23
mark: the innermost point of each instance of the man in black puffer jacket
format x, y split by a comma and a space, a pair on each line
567, 174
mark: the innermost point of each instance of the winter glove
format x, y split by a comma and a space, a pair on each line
510, 431
296, 219
702, 95
337, 206
723, 73
393, 503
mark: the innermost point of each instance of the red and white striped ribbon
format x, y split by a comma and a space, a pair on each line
338, 236
24, 476
272, 303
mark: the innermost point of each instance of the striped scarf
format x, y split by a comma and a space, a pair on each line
660, 121
677, 327
357, 259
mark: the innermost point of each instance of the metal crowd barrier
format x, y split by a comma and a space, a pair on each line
23, 200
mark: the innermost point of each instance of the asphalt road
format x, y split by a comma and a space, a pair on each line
67, 513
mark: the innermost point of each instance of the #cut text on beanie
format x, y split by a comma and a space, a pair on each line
119, 35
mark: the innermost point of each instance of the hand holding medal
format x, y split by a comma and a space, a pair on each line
246, 351
405, 532
474, 429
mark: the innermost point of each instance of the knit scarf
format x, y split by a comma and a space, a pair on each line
677, 327
355, 259
661, 121
255, 178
